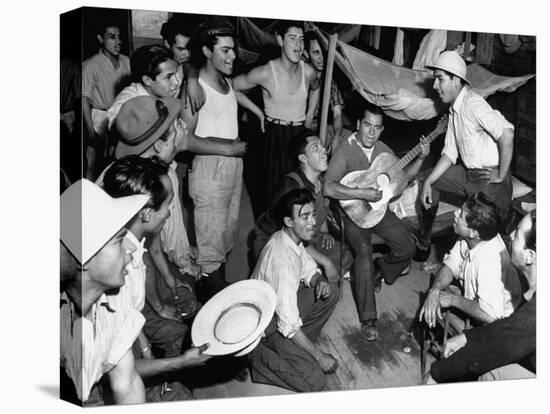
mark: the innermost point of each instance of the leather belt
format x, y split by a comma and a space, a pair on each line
283, 122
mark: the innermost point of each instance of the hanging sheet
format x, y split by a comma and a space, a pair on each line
408, 94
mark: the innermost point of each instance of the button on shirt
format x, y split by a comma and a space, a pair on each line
284, 264
484, 274
473, 130
101, 80
133, 290
92, 346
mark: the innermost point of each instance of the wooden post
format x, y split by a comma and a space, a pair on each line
467, 43
327, 87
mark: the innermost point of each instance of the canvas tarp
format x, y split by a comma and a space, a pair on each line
408, 94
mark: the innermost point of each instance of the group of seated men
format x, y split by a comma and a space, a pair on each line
132, 281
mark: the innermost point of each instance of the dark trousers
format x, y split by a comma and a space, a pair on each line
277, 159
279, 361
401, 250
167, 336
457, 181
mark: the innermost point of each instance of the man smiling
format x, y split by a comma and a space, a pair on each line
358, 152
287, 356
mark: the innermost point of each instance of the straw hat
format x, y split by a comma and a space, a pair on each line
450, 61
143, 120
90, 217
234, 319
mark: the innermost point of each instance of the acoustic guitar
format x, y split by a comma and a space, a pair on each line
385, 174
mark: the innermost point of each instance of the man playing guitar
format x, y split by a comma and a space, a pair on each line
359, 152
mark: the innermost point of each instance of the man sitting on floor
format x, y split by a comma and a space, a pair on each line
311, 160
480, 262
287, 356
505, 349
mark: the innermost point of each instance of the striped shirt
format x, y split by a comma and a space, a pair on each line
473, 130
284, 264
91, 346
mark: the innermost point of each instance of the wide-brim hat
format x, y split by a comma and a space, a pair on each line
143, 120
450, 61
90, 217
234, 319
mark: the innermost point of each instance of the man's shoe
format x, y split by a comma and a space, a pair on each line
422, 252
369, 330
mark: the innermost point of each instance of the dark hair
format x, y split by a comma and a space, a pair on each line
531, 235
309, 36
136, 175
282, 26
295, 197
100, 27
145, 61
482, 215
368, 107
298, 145
207, 35
177, 25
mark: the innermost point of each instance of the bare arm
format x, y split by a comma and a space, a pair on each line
324, 261
125, 381
191, 358
431, 309
247, 81
442, 165
471, 307
313, 96
414, 168
245, 102
339, 191
505, 153
193, 95
161, 263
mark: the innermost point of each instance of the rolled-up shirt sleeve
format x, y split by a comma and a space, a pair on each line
491, 120
309, 268
453, 259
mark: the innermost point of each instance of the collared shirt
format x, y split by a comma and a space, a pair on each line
351, 155
284, 264
101, 81
91, 346
133, 291
484, 272
131, 91
473, 130
173, 235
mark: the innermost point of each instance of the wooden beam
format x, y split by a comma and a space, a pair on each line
327, 87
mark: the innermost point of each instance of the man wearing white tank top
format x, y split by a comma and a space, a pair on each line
290, 95
215, 181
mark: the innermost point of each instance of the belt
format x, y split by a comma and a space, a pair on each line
283, 122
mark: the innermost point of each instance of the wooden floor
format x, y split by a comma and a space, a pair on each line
392, 361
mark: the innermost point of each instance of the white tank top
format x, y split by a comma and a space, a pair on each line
283, 105
218, 115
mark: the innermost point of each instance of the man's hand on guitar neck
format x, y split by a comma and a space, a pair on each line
371, 194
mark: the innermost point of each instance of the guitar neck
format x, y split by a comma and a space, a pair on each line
412, 154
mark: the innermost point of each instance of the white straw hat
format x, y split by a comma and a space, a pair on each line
450, 61
235, 318
90, 217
